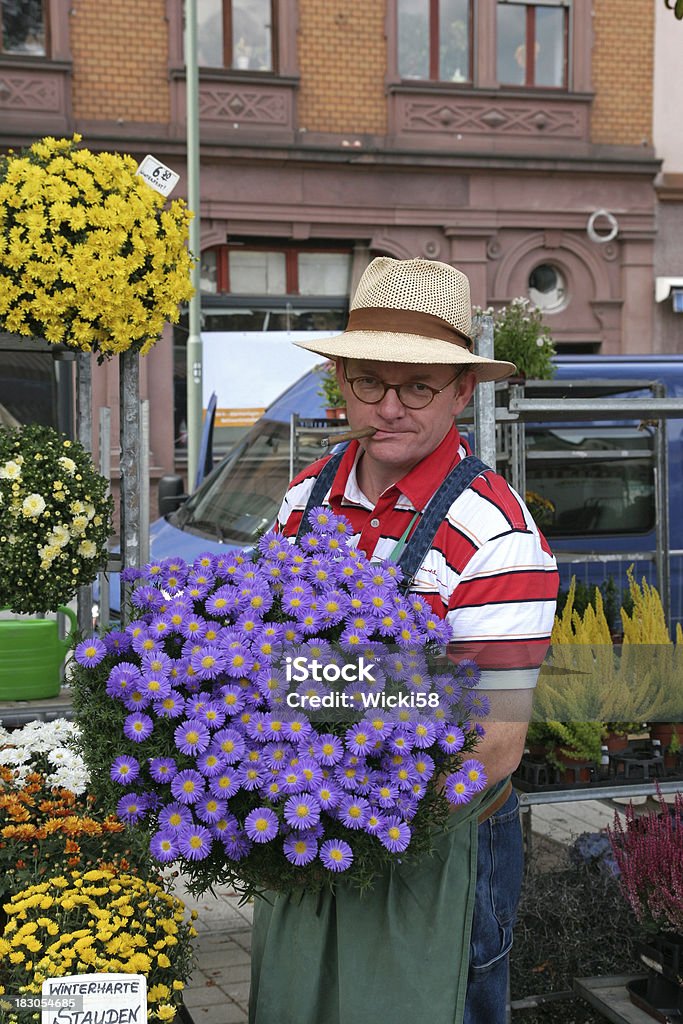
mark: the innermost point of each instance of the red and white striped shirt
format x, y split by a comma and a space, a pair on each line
489, 570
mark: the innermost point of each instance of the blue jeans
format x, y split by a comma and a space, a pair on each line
500, 866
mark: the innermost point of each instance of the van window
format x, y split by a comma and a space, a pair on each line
242, 496
596, 479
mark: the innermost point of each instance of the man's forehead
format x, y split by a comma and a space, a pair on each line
389, 371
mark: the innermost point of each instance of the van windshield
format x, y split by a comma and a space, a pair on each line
241, 498
596, 479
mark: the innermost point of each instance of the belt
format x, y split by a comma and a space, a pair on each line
497, 803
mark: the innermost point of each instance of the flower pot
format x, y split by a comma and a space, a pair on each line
615, 742
573, 770
338, 413
664, 731
31, 657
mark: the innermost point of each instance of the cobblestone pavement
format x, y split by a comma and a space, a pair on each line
218, 992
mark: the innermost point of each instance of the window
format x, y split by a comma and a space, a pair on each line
23, 27
236, 34
597, 479
532, 43
547, 288
434, 40
254, 270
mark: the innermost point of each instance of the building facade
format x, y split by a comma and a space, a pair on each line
512, 138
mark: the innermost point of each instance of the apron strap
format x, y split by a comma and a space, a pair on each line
321, 486
457, 481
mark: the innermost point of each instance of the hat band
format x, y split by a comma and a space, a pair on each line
406, 321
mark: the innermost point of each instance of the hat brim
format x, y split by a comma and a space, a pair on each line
389, 347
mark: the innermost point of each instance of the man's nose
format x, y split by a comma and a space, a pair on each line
391, 405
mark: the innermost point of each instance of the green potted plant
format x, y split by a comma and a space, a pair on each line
521, 337
55, 520
329, 390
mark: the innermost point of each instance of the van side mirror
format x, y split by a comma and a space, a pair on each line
171, 493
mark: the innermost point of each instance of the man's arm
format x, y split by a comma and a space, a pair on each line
501, 747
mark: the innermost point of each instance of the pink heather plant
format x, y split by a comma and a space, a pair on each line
649, 853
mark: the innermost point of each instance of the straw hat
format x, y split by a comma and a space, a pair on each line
410, 311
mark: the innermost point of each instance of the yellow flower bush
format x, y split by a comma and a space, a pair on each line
97, 921
55, 518
89, 255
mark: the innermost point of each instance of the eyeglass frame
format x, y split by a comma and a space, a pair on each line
396, 387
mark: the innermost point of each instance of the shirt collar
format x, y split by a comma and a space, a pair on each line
418, 484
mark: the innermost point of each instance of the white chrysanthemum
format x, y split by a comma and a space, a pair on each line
87, 548
14, 755
11, 470
60, 536
33, 506
77, 508
68, 464
78, 526
90, 511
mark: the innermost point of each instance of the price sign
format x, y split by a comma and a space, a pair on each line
158, 175
95, 999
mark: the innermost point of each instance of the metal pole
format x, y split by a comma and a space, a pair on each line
105, 470
144, 481
84, 435
194, 340
485, 399
129, 395
662, 509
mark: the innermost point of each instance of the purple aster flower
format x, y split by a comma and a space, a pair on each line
213, 714
123, 679
157, 662
162, 769
251, 777
117, 642
347, 775
322, 520
424, 766
395, 834
236, 844
271, 544
359, 739
229, 743
468, 672
277, 755
475, 774
208, 662
192, 737
131, 808
137, 699
374, 822
224, 825
311, 772
210, 809
353, 811
404, 775
124, 770
352, 638
329, 749
225, 784
90, 652
131, 573
475, 703
452, 739
479, 729
155, 685
401, 741
292, 779
302, 811
386, 793
300, 849
138, 726
195, 842
261, 825
211, 763
297, 729
423, 733
193, 627
457, 788
327, 794
170, 706
144, 641
188, 786
174, 816
336, 855
163, 847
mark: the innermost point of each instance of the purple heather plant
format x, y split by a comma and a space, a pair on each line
648, 850
186, 713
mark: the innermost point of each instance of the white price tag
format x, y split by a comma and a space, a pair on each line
158, 175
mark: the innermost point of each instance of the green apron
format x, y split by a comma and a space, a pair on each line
399, 953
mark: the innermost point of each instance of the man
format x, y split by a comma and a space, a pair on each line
431, 942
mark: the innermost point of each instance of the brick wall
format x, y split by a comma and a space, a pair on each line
342, 58
120, 55
623, 70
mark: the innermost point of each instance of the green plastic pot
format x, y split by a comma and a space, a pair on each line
31, 657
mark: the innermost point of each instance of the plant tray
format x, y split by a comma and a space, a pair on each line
640, 994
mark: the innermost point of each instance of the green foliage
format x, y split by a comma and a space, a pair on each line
676, 7
577, 741
521, 337
585, 596
329, 386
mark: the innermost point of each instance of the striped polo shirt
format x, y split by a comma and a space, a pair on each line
489, 570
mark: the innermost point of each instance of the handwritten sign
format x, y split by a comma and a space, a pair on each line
97, 999
158, 175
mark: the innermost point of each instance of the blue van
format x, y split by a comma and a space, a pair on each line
591, 484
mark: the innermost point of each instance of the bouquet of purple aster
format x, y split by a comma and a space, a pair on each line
277, 718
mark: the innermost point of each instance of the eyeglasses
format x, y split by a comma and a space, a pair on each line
416, 395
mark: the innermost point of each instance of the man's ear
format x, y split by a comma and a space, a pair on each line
339, 371
465, 385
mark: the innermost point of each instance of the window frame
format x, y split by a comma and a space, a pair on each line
18, 55
229, 64
291, 254
530, 41
434, 46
